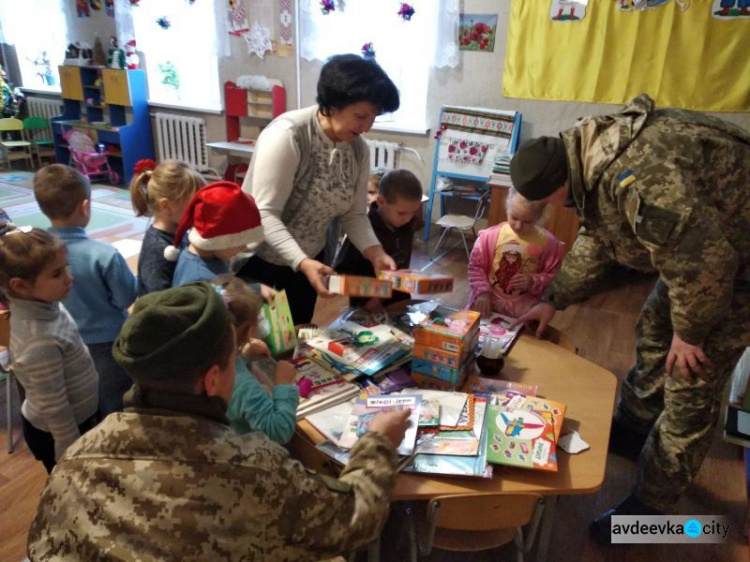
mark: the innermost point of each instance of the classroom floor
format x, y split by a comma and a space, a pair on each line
601, 328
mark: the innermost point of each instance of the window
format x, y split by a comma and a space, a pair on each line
406, 50
181, 60
39, 40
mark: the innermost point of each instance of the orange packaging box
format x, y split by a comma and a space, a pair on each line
356, 286
448, 329
426, 381
418, 282
451, 359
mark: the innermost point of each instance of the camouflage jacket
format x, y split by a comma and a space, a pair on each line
661, 189
159, 484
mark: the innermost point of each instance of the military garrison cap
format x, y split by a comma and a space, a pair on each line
539, 167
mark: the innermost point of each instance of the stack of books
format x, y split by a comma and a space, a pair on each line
500, 175
444, 343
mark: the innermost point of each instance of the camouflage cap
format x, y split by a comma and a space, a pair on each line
171, 332
539, 167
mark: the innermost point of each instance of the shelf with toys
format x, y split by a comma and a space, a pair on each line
110, 106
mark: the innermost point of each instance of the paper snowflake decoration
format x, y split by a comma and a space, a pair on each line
368, 50
406, 11
258, 40
327, 6
164, 22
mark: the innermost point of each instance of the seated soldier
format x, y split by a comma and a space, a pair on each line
168, 479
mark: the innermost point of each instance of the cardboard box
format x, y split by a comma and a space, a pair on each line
425, 381
445, 357
448, 329
436, 370
282, 336
356, 286
418, 282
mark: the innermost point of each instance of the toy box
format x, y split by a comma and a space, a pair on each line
448, 329
436, 370
281, 333
426, 381
357, 286
444, 357
418, 282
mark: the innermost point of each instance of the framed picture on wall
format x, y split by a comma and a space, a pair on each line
476, 32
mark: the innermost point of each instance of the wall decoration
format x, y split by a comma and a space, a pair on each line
568, 10
368, 51
164, 22
327, 6
258, 40
639, 5
611, 57
238, 23
286, 33
132, 61
406, 11
44, 68
731, 9
82, 9
170, 77
476, 32
116, 56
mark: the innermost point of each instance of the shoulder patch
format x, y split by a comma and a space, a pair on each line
625, 179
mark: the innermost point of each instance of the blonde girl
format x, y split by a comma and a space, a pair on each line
161, 192
251, 407
50, 359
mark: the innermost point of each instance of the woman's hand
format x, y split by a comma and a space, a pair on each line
267, 293
379, 259
689, 358
483, 305
521, 282
315, 271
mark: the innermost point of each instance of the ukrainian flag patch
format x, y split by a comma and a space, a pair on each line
626, 178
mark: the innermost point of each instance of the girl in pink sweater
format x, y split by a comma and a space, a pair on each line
513, 262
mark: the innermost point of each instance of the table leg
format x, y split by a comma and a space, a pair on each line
548, 519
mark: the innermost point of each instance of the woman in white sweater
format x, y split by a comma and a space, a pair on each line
310, 167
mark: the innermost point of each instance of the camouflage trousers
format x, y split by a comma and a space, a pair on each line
679, 415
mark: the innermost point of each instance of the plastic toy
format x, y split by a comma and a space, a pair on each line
85, 158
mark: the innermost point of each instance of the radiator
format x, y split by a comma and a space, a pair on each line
181, 137
383, 155
44, 107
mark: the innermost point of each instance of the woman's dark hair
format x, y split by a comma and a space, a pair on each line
348, 79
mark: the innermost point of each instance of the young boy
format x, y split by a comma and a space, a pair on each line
393, 218
104, 286
168, 479
222, 221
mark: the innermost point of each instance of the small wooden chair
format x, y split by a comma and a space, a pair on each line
476, 522
11, 140
37, 131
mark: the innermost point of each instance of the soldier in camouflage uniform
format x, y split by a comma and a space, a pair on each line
168, 479
665, 190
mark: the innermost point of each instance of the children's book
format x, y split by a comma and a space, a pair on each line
392, 381
330, 422
367, 350
429, 413
368, 406
523, 430
357, 286
418, 282
325, 397
278, 317
476, 383
496, 327
318, 375
465, 443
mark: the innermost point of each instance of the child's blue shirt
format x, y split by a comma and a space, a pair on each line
251, 408
103, 286
191, 267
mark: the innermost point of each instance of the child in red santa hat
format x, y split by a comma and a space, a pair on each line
223, 221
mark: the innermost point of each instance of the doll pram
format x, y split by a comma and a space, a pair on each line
86, 159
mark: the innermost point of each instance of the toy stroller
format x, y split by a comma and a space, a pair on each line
85, 158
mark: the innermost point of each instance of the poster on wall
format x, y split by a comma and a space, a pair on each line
237, 18
476, 32
286, 31
568, 10
639, 5
731, 9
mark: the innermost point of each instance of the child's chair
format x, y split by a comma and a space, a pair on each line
85, 158
462, 223
39, 134
12, 143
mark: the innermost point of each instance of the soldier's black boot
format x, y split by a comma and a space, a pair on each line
601, 527
624, 442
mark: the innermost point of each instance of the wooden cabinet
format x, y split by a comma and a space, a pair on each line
111, 106
260, 104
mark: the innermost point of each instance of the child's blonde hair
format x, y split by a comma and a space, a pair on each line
172, 180
25, 252
243, 304
539, 208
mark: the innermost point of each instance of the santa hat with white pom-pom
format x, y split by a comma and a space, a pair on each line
220, 216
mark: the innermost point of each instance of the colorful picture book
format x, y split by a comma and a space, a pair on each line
325, 397
358, 286
461, 442
429, 413
367, 350
282, 335
318, 375
523, 430
497, 328
368, 406
417, 282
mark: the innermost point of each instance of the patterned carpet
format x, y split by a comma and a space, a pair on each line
112, 214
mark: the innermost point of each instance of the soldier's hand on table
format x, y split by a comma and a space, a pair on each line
483, 305
537, 318
314, 271
285, 373
690, 359
521, 282
392, 425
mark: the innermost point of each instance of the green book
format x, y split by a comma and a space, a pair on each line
281, 333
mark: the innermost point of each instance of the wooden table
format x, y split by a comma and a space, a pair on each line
589, 393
